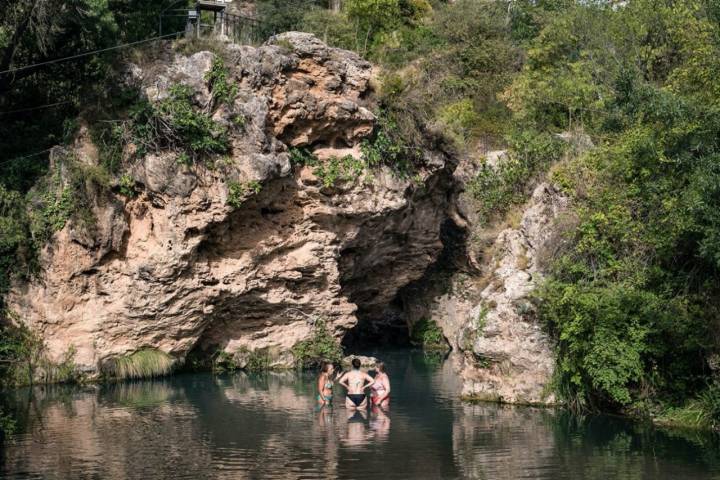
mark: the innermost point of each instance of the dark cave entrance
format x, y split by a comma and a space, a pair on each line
392, 326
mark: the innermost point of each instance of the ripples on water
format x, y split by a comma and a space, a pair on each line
267, 426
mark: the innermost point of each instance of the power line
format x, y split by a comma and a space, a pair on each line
85, 54
39, 107
26, 156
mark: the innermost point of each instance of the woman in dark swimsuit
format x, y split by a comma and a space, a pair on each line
356, 381
325, 384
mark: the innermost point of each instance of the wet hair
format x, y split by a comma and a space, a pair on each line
356, 363
380, 367
324, 366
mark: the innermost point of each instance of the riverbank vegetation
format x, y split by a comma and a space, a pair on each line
632, 294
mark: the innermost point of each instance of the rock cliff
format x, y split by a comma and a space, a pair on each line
480, 298
244, 252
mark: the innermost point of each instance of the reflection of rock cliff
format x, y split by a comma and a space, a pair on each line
179, 267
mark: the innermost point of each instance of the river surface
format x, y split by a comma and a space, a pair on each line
239, 426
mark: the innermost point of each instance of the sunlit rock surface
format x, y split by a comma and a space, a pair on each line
178, 268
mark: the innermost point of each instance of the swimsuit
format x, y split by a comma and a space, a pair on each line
356, 398
378, 389
327, 398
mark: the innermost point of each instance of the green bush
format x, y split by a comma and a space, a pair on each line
259, 361
322, 346
174, 123
701, 412
498, 188
17, 253
127, 185
23, 360
428, 335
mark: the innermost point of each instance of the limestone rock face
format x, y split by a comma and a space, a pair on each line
178, 267
508, 357
483, 308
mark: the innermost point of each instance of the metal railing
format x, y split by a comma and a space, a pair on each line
238, 28
241, 29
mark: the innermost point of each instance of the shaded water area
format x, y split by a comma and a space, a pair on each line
266, 426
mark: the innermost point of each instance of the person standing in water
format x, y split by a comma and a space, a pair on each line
381, 387
356, 381
325, 384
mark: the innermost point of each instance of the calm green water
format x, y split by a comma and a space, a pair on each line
266, 426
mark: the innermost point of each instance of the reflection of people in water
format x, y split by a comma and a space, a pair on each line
356, 381
380, 393
325, 384
380, 423
356, 427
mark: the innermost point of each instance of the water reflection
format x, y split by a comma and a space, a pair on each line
269, 426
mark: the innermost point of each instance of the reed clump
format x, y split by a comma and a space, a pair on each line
144, 363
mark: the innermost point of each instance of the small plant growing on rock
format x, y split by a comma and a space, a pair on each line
217, 78
428, 335
258, 361
127, 185
239, 192
224, 362
321, 346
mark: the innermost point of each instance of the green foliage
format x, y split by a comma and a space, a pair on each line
239, 192
7, 425
332, 170
332, 28
223, 361
322, 346
701, 412
53, 203
497, 188
428, 335
23, 360
388, 146
336, 169
127, 185
217, 78
16, 249
632, 293
258, 361
146, 363
174, 123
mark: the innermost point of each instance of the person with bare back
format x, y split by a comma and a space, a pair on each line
356, 381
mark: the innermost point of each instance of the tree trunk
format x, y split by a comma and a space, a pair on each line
336, 5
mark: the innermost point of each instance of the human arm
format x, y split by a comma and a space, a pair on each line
343, 381
321, 387
368, 381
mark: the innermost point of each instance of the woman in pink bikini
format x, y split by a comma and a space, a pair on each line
380, 387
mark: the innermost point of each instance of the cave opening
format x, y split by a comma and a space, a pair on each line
392, 326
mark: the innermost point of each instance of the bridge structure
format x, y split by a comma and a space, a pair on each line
211, 17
